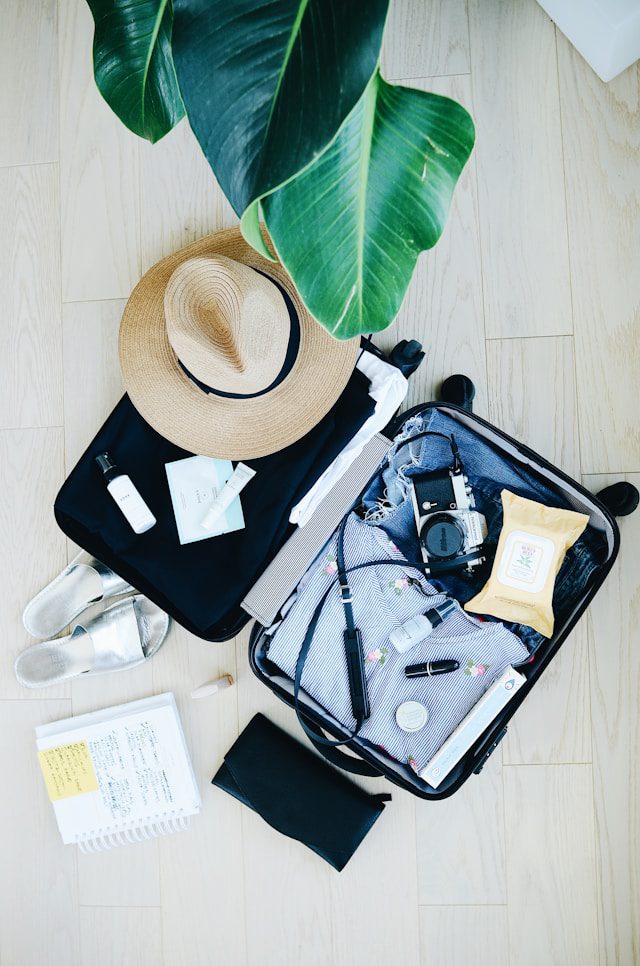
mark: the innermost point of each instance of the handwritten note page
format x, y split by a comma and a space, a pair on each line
131, 773
68, 770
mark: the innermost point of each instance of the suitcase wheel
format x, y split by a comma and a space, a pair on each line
458, 390
407, 356
620, 498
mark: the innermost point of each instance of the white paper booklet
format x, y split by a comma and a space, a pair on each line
495, 698
119, 775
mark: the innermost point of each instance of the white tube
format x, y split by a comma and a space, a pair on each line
234, 485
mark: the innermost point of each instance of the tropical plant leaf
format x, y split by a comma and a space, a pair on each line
349, 229
133, 64
267, 84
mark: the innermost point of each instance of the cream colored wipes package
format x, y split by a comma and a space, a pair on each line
532, 545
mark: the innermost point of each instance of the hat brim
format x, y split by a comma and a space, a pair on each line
213, 425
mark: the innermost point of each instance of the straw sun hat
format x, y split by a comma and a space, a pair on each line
221, 357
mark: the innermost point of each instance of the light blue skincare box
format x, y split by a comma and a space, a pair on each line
194, 483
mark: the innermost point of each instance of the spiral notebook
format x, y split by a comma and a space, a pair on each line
119, 775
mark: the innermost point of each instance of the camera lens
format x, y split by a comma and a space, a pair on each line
442, 537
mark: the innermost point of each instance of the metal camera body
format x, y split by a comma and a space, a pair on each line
450, 529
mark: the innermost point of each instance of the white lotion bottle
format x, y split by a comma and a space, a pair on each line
132, 506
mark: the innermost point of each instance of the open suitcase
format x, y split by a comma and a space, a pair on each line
300, 547
368, 761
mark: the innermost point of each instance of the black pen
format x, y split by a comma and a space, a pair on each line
430, 668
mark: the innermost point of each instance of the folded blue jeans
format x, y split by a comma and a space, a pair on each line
387, 503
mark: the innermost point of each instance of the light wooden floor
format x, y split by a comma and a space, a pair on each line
534, 291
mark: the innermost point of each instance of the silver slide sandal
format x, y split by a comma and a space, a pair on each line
85, 581
125, 634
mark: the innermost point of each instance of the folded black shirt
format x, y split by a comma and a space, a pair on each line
201, 584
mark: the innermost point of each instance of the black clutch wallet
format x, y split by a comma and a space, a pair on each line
297, 793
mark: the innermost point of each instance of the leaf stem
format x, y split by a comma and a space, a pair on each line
370, 98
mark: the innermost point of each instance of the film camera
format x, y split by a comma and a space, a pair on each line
450, 529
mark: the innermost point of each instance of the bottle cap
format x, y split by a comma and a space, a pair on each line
105, 462
411, 716
441, 612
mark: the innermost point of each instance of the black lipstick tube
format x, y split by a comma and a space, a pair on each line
429, 668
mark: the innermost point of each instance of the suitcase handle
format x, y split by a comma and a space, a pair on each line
347, 762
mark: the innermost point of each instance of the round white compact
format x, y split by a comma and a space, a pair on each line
411, 716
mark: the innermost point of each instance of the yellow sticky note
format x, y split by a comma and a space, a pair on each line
68, 770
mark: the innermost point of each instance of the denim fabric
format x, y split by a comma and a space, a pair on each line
388, 504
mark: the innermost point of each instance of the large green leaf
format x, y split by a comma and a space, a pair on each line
133, 64
350, 228
267, 83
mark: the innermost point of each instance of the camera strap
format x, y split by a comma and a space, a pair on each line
448, 566
354, 651
311, 629
352, 639
451, 440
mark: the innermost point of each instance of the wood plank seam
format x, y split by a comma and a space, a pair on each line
406, 81
571, 298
